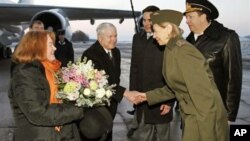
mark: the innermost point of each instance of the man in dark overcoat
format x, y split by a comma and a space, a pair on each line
107, 57
64, 49
221, 48
146, 74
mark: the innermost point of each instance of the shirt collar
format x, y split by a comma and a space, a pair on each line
107, 51
61, 42
197, 35
149, 34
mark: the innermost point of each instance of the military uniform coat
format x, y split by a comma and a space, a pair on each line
191, 82
35, 117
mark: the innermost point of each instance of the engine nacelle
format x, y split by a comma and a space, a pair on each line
56, 19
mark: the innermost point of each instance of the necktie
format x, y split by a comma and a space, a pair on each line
110, 55
111, 58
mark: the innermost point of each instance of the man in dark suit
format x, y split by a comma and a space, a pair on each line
107, 57
146, 74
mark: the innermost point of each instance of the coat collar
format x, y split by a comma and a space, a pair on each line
101, 51
213, 30
143, 33
99, 47
173, 42
35, 63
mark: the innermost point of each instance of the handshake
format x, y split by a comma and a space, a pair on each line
135, 97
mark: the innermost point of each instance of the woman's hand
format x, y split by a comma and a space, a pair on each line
140, 97
165, 109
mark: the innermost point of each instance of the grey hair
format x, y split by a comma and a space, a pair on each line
102, 27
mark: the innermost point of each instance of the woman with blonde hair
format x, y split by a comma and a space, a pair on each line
38, 114
189, 80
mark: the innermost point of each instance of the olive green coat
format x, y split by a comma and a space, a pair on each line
191, 82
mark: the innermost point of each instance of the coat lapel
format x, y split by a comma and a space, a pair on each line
108, 64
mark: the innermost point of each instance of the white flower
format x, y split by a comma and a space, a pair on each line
85, 67
93, 85
103, 82
85, 85
100, 93
108, 93
73, 96
87, 92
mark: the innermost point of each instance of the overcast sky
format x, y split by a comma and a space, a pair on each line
234, 14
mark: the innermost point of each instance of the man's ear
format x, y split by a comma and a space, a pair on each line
203, 17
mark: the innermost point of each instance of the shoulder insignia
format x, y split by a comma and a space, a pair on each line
181, 42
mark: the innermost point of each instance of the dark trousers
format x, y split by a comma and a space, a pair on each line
151, 132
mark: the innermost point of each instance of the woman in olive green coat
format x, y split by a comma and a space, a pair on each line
190, 81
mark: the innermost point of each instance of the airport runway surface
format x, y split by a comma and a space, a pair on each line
123, 120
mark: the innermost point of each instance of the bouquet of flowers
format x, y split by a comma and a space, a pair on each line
80, 83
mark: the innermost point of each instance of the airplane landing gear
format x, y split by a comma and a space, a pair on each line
5, 52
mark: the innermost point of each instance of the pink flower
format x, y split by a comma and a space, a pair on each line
93, 88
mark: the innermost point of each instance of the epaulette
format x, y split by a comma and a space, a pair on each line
181, 42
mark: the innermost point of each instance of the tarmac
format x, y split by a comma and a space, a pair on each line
122, 121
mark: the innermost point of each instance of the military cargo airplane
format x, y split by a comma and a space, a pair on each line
15, 17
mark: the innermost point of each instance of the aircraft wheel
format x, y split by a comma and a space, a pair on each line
8, 52
3, 53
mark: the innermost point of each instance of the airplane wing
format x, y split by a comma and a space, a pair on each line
13, 16
16, 13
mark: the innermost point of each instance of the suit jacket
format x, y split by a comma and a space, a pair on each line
35, 117
221, 48
191, 81
101, 61
146, 74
